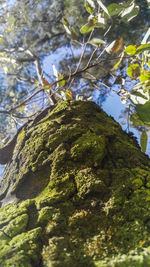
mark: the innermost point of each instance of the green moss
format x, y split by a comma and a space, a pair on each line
59, 188
10, 212
16, 225
20, 139
90, 147
38, 163
26, 239
19, 260
84, 192
45, 215
87, 181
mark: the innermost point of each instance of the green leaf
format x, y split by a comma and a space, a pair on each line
136, 93
114, 9
145, 76
138, 86
100, 25
133, 71
118, 63
90, 6
131, 49
104, 8
147, 88
139, 97
97, 42
47, 87
65, 21
63, 82
143, 48
87, 28
129, 13
143, 141
143, 111
135, 119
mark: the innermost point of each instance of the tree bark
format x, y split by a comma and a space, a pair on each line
75, 193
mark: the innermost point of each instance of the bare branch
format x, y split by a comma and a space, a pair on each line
83, 52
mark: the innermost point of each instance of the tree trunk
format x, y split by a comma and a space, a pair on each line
76, 193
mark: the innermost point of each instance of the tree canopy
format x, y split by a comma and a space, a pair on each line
97, 56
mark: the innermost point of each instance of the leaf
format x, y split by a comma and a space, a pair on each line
143, 141
129, 16
115, 46
143, 48
145, 76
67, 29
138, 99
130, 11
136, 73
118, 63
87, 28
63, 82
69, 93
136, 120
104, 8
147, 88
65, 21
131, 49
133, 71
143, 111
114, 9
138, 86
46, 84
74, 35
100, 20
147, 34
90, 6
127, 10
124, 100
36, 82
96, 42
100, 23
138, 94
56, 74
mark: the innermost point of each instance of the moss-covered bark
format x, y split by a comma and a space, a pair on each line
76, 193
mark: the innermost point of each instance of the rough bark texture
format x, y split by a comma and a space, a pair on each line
76, 193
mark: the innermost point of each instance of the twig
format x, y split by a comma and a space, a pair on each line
83, 52
92, 55
25, 101
107, 30
76, 73
101, 54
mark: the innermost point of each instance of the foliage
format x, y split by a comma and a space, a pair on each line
138, 56
29, 32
